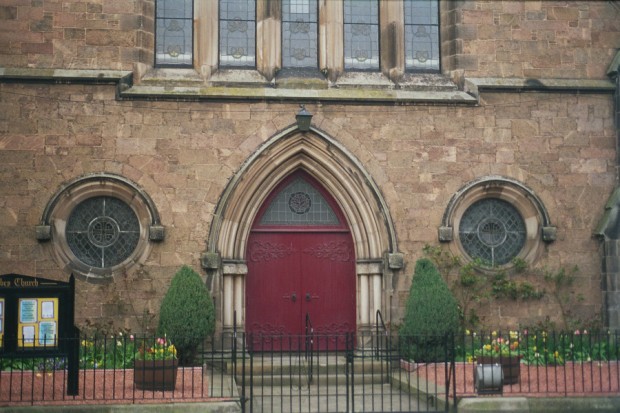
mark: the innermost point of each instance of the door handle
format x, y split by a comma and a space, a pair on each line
308, 297
293, 297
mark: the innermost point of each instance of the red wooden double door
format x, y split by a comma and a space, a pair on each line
301, 268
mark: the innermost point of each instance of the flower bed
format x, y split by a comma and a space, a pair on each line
540, 348
98, 386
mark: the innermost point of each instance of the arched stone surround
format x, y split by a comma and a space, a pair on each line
534, 213
340, 173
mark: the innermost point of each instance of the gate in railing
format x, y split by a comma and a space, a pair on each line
368, 375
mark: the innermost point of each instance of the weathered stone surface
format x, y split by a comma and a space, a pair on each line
421, 140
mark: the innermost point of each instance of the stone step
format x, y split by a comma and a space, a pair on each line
325, 380
326, 370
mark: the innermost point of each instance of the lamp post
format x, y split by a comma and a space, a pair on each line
303, 119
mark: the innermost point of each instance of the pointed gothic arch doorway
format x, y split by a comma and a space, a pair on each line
301, 266
359, 203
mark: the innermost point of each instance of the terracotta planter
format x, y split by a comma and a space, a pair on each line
155, 374
511, 366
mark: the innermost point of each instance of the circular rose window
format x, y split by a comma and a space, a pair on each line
492, 230
102, 231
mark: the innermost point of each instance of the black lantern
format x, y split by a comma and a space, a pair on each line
303, 119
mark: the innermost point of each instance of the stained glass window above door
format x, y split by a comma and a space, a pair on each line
299, 203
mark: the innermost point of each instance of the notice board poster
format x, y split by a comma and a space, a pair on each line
37, 324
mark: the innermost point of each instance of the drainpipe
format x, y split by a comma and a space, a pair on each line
608, 229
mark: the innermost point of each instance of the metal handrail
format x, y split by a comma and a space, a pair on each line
234, 343
379, 318
309, 347
380, 323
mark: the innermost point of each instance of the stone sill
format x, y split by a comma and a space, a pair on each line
300, 78
490, 84
309, 85
287, 94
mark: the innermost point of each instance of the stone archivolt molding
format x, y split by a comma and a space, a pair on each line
58, 209
341, 174
331, 165
535, 216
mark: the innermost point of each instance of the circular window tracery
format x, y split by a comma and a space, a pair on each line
496, 219
100, 225
102, 231
300, 202
492, 230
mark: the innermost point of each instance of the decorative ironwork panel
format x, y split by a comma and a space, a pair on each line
299, 203
333, 251
299, 34
422, 35
102, 231
238, 33
269, 251
361, 34
174, 32
492, 230
334, 329
267, 331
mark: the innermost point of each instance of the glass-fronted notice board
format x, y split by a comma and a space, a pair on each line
37, 322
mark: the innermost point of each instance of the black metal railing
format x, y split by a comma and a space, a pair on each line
347, 377
119, 367
382, 335
549, 363
309, 347
316, 372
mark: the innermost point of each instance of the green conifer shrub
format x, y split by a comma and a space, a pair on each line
187, 314
431, 313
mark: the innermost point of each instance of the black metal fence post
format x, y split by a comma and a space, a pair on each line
350, 368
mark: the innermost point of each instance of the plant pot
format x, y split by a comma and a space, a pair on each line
511, 366
155, 374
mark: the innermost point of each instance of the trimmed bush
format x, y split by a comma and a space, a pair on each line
187, 314
430, 314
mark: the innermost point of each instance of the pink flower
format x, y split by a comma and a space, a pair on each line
577, 332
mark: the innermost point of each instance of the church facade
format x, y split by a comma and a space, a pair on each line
301, 155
